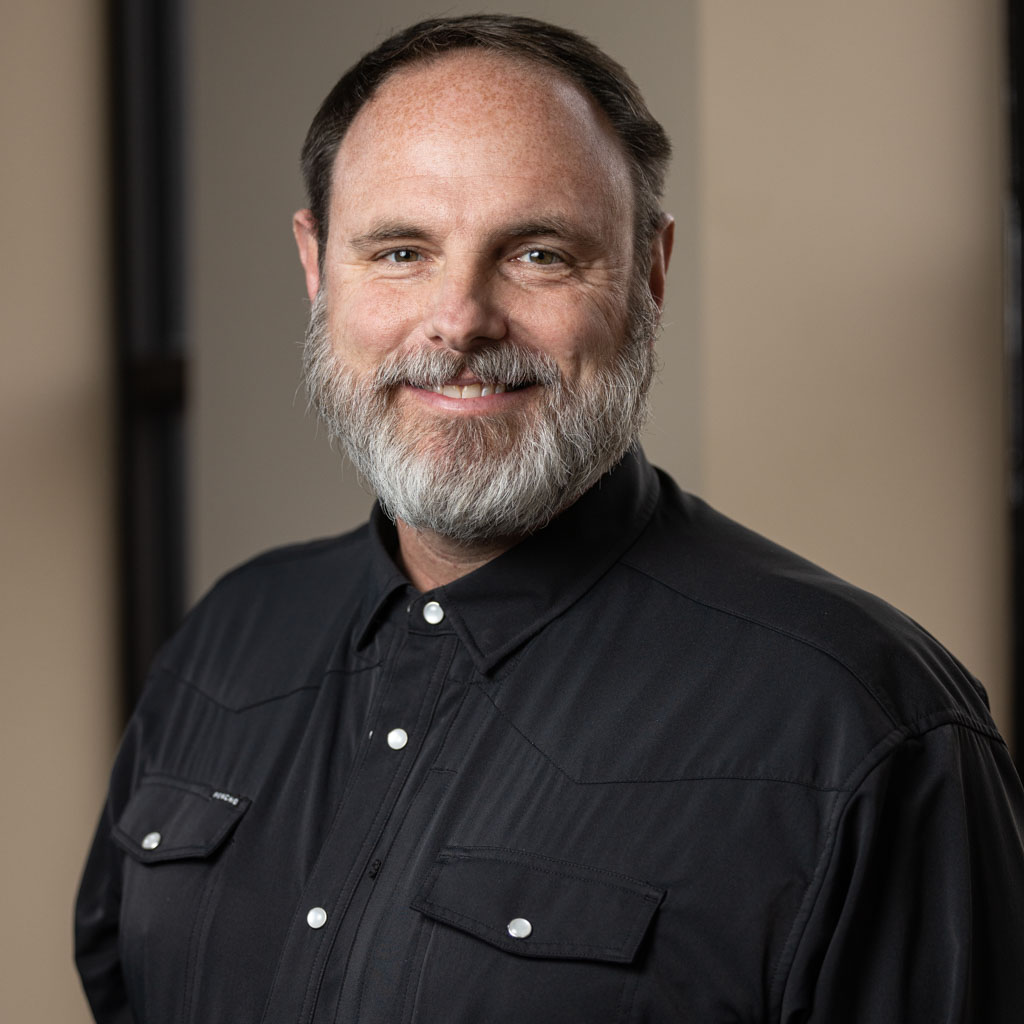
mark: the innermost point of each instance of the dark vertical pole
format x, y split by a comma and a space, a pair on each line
146, 97
1015, 364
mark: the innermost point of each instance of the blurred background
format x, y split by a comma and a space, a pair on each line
836, 369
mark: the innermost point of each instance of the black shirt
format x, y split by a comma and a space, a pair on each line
645, 766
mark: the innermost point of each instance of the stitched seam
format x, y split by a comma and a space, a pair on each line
196, 789
385, 856
497, 673
342, 670
953, 717
173, 853
872, 761
188, 684
447, 914
196, 940
814, 887
642, 781
628, 998
964, 1009
528, 859
912, 730
772, 628
411, 995
468, 742
202, 790
174, 676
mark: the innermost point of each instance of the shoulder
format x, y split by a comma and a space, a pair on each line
248, 638
814, 653
293, 571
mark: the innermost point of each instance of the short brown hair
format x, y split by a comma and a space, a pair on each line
643, 139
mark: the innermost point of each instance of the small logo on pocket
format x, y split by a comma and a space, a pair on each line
226, 797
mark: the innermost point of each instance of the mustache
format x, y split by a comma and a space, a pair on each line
503, 363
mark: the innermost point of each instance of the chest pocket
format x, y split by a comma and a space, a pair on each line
527, 937
172, 819
173, 831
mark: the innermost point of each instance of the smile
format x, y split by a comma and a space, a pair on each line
476, 390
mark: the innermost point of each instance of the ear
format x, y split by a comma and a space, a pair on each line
304, 229
661, 252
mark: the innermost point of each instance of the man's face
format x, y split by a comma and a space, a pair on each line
475, 297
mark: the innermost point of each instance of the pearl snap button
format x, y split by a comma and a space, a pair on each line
317, 917
433, 612
519, 928
151, 840
397, 739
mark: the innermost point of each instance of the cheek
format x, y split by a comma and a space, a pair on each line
368, 323
578, 334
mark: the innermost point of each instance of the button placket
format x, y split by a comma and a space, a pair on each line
423, 646
433, 614
367, 807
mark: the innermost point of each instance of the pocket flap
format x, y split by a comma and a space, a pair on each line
539, 906
171, 819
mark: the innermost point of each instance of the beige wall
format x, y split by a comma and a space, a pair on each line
851, 181
56, 604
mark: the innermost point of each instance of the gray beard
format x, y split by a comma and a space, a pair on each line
483, 478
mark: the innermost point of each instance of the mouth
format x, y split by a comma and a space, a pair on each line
476, 389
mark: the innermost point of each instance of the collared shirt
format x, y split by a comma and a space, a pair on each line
645, 766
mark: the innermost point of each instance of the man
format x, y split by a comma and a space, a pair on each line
548, 740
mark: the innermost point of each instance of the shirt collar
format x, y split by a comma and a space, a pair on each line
497, 608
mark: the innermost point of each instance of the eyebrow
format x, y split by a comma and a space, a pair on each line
389, 231
542, 227
553, 227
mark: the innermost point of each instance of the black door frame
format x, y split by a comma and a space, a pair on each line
1014, 290
146, 152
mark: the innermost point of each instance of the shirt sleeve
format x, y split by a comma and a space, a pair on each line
98, 908
917, 913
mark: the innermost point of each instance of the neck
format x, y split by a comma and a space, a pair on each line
430, 560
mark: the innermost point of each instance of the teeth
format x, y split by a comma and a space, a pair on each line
470, 390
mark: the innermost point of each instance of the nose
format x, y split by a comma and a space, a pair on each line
465, 312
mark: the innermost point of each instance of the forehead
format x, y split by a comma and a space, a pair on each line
481, 121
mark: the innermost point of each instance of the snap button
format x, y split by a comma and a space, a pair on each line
433, 612
317, 917
519, 928
151, 840
397, 739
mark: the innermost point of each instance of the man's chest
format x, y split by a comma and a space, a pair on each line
414, 843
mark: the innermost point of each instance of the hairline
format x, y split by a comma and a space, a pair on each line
644, 213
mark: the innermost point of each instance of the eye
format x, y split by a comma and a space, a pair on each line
540, 257
401, 256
